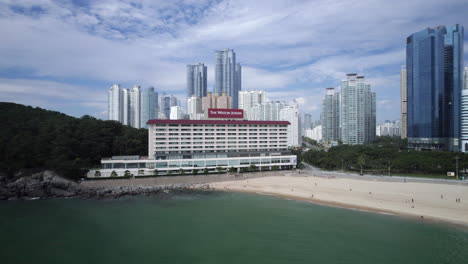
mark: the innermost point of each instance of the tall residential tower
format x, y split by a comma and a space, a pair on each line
404, 102
196, 80
228, 75
330, 117
357, 111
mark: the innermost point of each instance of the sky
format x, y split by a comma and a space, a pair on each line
64, 55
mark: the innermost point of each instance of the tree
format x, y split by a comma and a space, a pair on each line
114, 174
205, 171
219, 169
274, 168
253, 167
194, 171
97, 173
181, 171
155, 172
43, 139
127, 173
169, 172
232, 170
361, 160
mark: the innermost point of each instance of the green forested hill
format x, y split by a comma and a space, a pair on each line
34, 138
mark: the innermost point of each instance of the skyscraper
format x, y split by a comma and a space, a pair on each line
194, 108
357, 111
307, 122
434, 61
149, 106
125, 107
291, 113
196, 80
247, 99
228, 75
176, 113
134, 107
464, 113
267, 111
114, 107
167, 101
404, 102
330, 117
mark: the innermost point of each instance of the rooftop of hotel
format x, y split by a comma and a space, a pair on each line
217, 122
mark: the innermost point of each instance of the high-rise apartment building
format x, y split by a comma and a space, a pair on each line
247, 99
228, 75
434, 61
176, 113
464, 113
330, 117
114, 108
267, 111
292, 115
196, 80
132, 107
357, 111
314, 133
135, 107
215, 101
389, 129
194, 108
404, 103
126, 107
148, 106
307, 122
167, 101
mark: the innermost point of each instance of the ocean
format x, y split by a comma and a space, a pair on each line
217, 227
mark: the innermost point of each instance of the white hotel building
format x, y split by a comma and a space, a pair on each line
188, 145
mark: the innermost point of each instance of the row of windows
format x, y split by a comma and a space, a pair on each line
211, 129
208, 125
191, 163
281, 148
212, 138
222, 147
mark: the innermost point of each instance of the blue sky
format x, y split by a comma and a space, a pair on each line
64, 55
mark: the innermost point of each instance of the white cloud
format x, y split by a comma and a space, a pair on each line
293, 48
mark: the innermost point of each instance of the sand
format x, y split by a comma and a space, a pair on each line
427, 201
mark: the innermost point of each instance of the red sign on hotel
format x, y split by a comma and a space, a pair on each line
225, 113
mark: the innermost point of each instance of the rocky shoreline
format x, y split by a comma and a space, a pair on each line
48, 184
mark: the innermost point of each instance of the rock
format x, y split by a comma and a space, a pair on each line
38, 176
60, 192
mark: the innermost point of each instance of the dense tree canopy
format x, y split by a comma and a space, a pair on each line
34, 138
385, 156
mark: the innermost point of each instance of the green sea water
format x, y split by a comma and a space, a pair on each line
217, 227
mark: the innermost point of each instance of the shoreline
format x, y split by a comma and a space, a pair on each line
426, 211
357, 208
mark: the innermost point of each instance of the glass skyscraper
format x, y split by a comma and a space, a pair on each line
434, 62
228, 75
196, 80
149, 106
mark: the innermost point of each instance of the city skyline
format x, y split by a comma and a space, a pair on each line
289, 54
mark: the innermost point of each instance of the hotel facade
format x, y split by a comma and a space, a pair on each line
219, 143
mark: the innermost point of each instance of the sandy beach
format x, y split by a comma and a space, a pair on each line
427, 201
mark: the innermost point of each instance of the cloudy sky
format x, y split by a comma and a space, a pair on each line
63, 55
